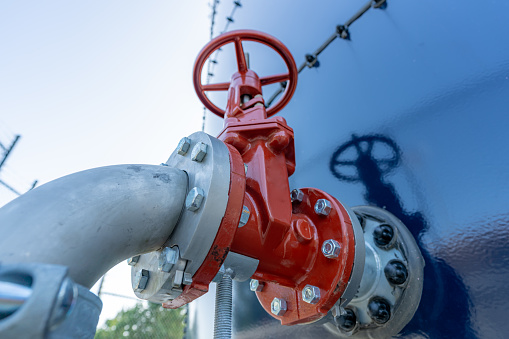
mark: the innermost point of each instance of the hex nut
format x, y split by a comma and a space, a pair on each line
199, 152
168, 258
331, 248
194, 199
183, 146
278, 306
244, 217
323, 207
256, 286
188, 279
311, 294
140, 280
296, 195
133, 261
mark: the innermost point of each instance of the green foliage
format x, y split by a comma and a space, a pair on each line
151, 321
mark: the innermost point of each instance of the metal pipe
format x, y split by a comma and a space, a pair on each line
91, 220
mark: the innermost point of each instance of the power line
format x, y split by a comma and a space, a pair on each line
342, 32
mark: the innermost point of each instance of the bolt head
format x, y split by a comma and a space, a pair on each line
383, 235
194, 199
323, 207
167, 259
311, 294
199, 152
244, 217
256, 286
396, 272
331, 249
278, 306
183, 146
296, 195
140, 280
347, 321
379, 310
133, 261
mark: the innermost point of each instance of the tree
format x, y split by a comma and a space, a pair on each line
144, 321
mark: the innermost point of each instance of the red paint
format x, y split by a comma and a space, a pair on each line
285, 238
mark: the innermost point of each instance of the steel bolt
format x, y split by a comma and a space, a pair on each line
194, 199
167, 259
188, 279
244, 217
379, 310
347, 321
278, 306
396, 272
133, 261
297, 195
256, 286
331, 248
140, 280
311, 294
323, 207
199, 152
183, 146
383, 235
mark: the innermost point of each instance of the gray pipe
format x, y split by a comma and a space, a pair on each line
91, 220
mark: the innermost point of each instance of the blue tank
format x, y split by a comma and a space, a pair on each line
406, 111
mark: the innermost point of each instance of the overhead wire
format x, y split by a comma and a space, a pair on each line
342, 32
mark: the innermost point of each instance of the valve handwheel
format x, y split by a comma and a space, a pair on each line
237, 37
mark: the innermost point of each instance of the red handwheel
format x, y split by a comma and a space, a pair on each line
237, 37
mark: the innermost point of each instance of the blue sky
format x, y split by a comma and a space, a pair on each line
96, 83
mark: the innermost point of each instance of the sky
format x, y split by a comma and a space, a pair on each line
96, 83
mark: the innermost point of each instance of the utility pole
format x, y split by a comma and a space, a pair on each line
7, 152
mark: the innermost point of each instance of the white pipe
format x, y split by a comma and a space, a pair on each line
91, 220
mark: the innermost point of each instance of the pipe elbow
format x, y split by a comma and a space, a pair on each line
91, 220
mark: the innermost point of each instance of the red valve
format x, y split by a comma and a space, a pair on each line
290, 239
244, 81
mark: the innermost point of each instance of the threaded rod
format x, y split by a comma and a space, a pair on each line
223, 316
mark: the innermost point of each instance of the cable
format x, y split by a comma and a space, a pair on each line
342, 32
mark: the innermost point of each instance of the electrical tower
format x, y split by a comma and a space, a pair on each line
6, 152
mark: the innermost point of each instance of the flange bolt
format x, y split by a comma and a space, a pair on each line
296, 195
140, 280
256, 286
199, 152
379, 310
244, 217
183, 146
396, 272
331, 248
194, 199
383, 235
311, 294
347, 321
167, 259
323, 207
133, 260
278, 306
